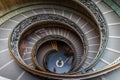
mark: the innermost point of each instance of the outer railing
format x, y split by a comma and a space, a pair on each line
95, 12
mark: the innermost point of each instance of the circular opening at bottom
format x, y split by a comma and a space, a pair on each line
59, 61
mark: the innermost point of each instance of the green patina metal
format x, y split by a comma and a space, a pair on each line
117, 2
114, 4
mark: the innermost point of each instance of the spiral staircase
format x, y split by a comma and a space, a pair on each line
59, 40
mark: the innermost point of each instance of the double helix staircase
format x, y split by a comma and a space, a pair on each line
94, 63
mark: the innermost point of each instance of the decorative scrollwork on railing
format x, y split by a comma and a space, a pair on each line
101, 23
25, 24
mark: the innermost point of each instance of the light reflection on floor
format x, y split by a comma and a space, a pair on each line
54, 56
